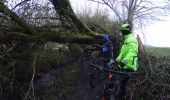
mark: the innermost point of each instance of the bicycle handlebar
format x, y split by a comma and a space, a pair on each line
99, 58
113, 71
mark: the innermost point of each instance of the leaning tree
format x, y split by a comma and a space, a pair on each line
79, 32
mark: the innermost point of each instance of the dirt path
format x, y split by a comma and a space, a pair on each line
67, 83
81, 89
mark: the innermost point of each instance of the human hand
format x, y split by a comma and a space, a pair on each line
111, 61
105, 48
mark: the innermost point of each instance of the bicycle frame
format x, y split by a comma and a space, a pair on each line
110, 88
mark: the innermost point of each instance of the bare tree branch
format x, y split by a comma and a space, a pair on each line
20, 4
130, 10
114, 9
32, 79
4, 9
97, 1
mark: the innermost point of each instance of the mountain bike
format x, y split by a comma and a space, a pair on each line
111, 80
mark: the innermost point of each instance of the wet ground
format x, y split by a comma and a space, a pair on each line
67, 83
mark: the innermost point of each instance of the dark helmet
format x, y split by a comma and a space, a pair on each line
125, 27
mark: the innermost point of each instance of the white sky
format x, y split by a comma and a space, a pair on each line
156, 34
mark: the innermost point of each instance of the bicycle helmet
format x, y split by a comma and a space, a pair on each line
105, 37
125, 27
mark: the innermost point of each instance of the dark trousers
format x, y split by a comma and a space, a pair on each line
124, 82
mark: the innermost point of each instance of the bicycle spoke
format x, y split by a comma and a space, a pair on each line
93, 77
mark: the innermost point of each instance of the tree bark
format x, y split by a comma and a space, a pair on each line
64, 9
5, 10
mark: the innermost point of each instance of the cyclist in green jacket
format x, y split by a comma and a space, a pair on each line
128, 56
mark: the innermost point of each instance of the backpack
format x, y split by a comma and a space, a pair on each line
140, 47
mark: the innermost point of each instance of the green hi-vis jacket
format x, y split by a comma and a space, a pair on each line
129, 53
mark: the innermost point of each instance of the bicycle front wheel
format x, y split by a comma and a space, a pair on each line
108, 97
93, 77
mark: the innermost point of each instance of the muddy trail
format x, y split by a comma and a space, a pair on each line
67, 83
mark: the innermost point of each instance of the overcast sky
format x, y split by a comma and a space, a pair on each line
156, 33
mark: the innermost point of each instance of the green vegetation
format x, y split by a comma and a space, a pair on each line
158, 51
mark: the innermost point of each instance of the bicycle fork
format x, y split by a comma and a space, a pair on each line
108, 88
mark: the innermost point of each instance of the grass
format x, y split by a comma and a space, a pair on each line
158, 51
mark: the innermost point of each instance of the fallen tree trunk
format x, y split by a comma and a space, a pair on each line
81, 34
59, 37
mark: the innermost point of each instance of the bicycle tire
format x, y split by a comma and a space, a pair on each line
112, 97
93, 77
95, 73
108, 96
110, 90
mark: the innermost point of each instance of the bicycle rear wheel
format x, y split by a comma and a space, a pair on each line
108, 96
112, 97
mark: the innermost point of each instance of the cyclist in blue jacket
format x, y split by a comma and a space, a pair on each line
107, 50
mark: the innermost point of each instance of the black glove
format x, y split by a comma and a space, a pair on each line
122, 66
